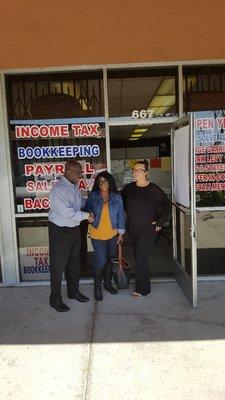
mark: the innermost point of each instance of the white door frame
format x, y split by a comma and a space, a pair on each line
188, 283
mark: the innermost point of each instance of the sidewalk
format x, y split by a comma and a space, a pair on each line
155, 348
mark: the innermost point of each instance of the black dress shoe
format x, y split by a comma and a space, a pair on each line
98, 292
61, 307
110, 288
79, 297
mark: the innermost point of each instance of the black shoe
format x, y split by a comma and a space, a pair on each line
57, 303
107, 279
110, 288
98, 292
79, 297
97, 284
61, 307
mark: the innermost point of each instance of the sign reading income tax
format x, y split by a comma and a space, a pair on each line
44, 163
210, 158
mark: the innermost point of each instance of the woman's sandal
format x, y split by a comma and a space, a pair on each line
136, 294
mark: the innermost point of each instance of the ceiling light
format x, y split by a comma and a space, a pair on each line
164, 98
136, 134
136, 130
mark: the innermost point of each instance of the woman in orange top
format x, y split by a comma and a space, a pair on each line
107, 229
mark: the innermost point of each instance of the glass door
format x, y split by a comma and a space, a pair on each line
183, 207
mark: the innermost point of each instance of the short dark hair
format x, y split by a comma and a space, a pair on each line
109, 178
72, 163
143, 162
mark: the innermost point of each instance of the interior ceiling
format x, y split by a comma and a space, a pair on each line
127, 95
123, 132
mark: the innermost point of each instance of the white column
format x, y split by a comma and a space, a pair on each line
180, 91
10, 270
106, 107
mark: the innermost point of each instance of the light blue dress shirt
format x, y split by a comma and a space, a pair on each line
65, 204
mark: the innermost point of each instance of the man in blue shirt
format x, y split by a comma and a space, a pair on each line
64, 235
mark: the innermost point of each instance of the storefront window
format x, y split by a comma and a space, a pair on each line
52, 118
210, 190
204, 88
63, 95
151, 142
210, 242
49, 127
33, 248
149, 92
132, 143
210, 158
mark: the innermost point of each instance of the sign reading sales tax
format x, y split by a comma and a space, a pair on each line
210, 158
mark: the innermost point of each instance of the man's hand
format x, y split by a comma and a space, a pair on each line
90, 217
157, 228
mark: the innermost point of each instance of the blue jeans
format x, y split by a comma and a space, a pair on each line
104, 251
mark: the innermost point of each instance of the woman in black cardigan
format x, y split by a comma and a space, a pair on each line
147, 208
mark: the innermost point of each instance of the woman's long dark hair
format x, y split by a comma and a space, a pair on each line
109, 178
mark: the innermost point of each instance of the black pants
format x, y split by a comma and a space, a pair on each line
64, 253
141, 243
83, 249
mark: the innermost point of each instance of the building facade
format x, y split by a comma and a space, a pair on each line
106, 85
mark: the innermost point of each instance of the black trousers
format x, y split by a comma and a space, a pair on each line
64, 253
141, 243
83, 249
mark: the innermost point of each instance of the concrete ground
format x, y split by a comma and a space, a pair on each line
156, 348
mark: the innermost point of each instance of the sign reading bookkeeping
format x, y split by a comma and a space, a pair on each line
210, 158
41, 149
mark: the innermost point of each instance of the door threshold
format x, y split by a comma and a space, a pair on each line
85, 281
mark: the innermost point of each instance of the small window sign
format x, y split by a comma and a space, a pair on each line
20, 208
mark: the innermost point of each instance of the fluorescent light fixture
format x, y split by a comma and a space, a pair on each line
133, 138
167, 87
137, 130
162, 101
164, 97
136, 134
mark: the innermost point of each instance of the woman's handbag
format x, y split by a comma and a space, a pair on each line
121, 270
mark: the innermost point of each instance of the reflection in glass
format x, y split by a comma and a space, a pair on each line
38, 158
211, 242
62, 95
183, 240
33, 249
204, 88
142, 89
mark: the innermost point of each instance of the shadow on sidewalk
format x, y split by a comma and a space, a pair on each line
165, 315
